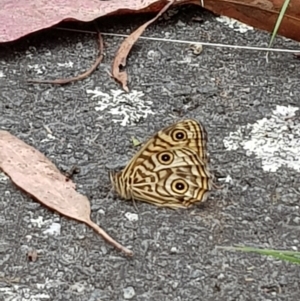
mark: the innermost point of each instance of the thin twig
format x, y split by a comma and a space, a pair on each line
63, 81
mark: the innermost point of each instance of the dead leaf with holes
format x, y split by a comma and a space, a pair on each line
118, 72
32, 172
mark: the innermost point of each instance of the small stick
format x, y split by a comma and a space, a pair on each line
63, 81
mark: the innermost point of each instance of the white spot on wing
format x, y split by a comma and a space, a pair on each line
276, 141
125, 108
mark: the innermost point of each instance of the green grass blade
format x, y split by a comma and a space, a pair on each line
279, 20
290, 256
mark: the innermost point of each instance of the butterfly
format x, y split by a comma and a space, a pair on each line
170, 170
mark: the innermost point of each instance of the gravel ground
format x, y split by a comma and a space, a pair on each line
236, 94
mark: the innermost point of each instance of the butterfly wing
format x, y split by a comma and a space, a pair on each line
174, 178
188, 137
187, 133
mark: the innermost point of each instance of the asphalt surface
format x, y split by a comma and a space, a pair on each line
175, 254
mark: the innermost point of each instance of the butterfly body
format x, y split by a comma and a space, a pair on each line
170, 170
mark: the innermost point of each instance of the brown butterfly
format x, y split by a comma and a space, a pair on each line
170, 170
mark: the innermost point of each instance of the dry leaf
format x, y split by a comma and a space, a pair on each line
22, 17
31, 171
120, 60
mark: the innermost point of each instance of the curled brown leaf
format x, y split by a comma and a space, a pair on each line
119, 63
63, 81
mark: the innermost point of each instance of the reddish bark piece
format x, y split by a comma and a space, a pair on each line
21, 17
122, 53
32, 172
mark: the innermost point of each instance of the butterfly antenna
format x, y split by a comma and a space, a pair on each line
111, 190
111, 177
215, 186
134, 204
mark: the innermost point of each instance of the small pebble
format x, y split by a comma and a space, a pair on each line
296, 220
78, 287
54, 229
267, 219
101, 211
128, 292
3, 177
174, 250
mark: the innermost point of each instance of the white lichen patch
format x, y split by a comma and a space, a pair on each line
20, 292
133, 217
68, 64
125, 108
38, 222
234, 24
275, 140
38, 69
54, 229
